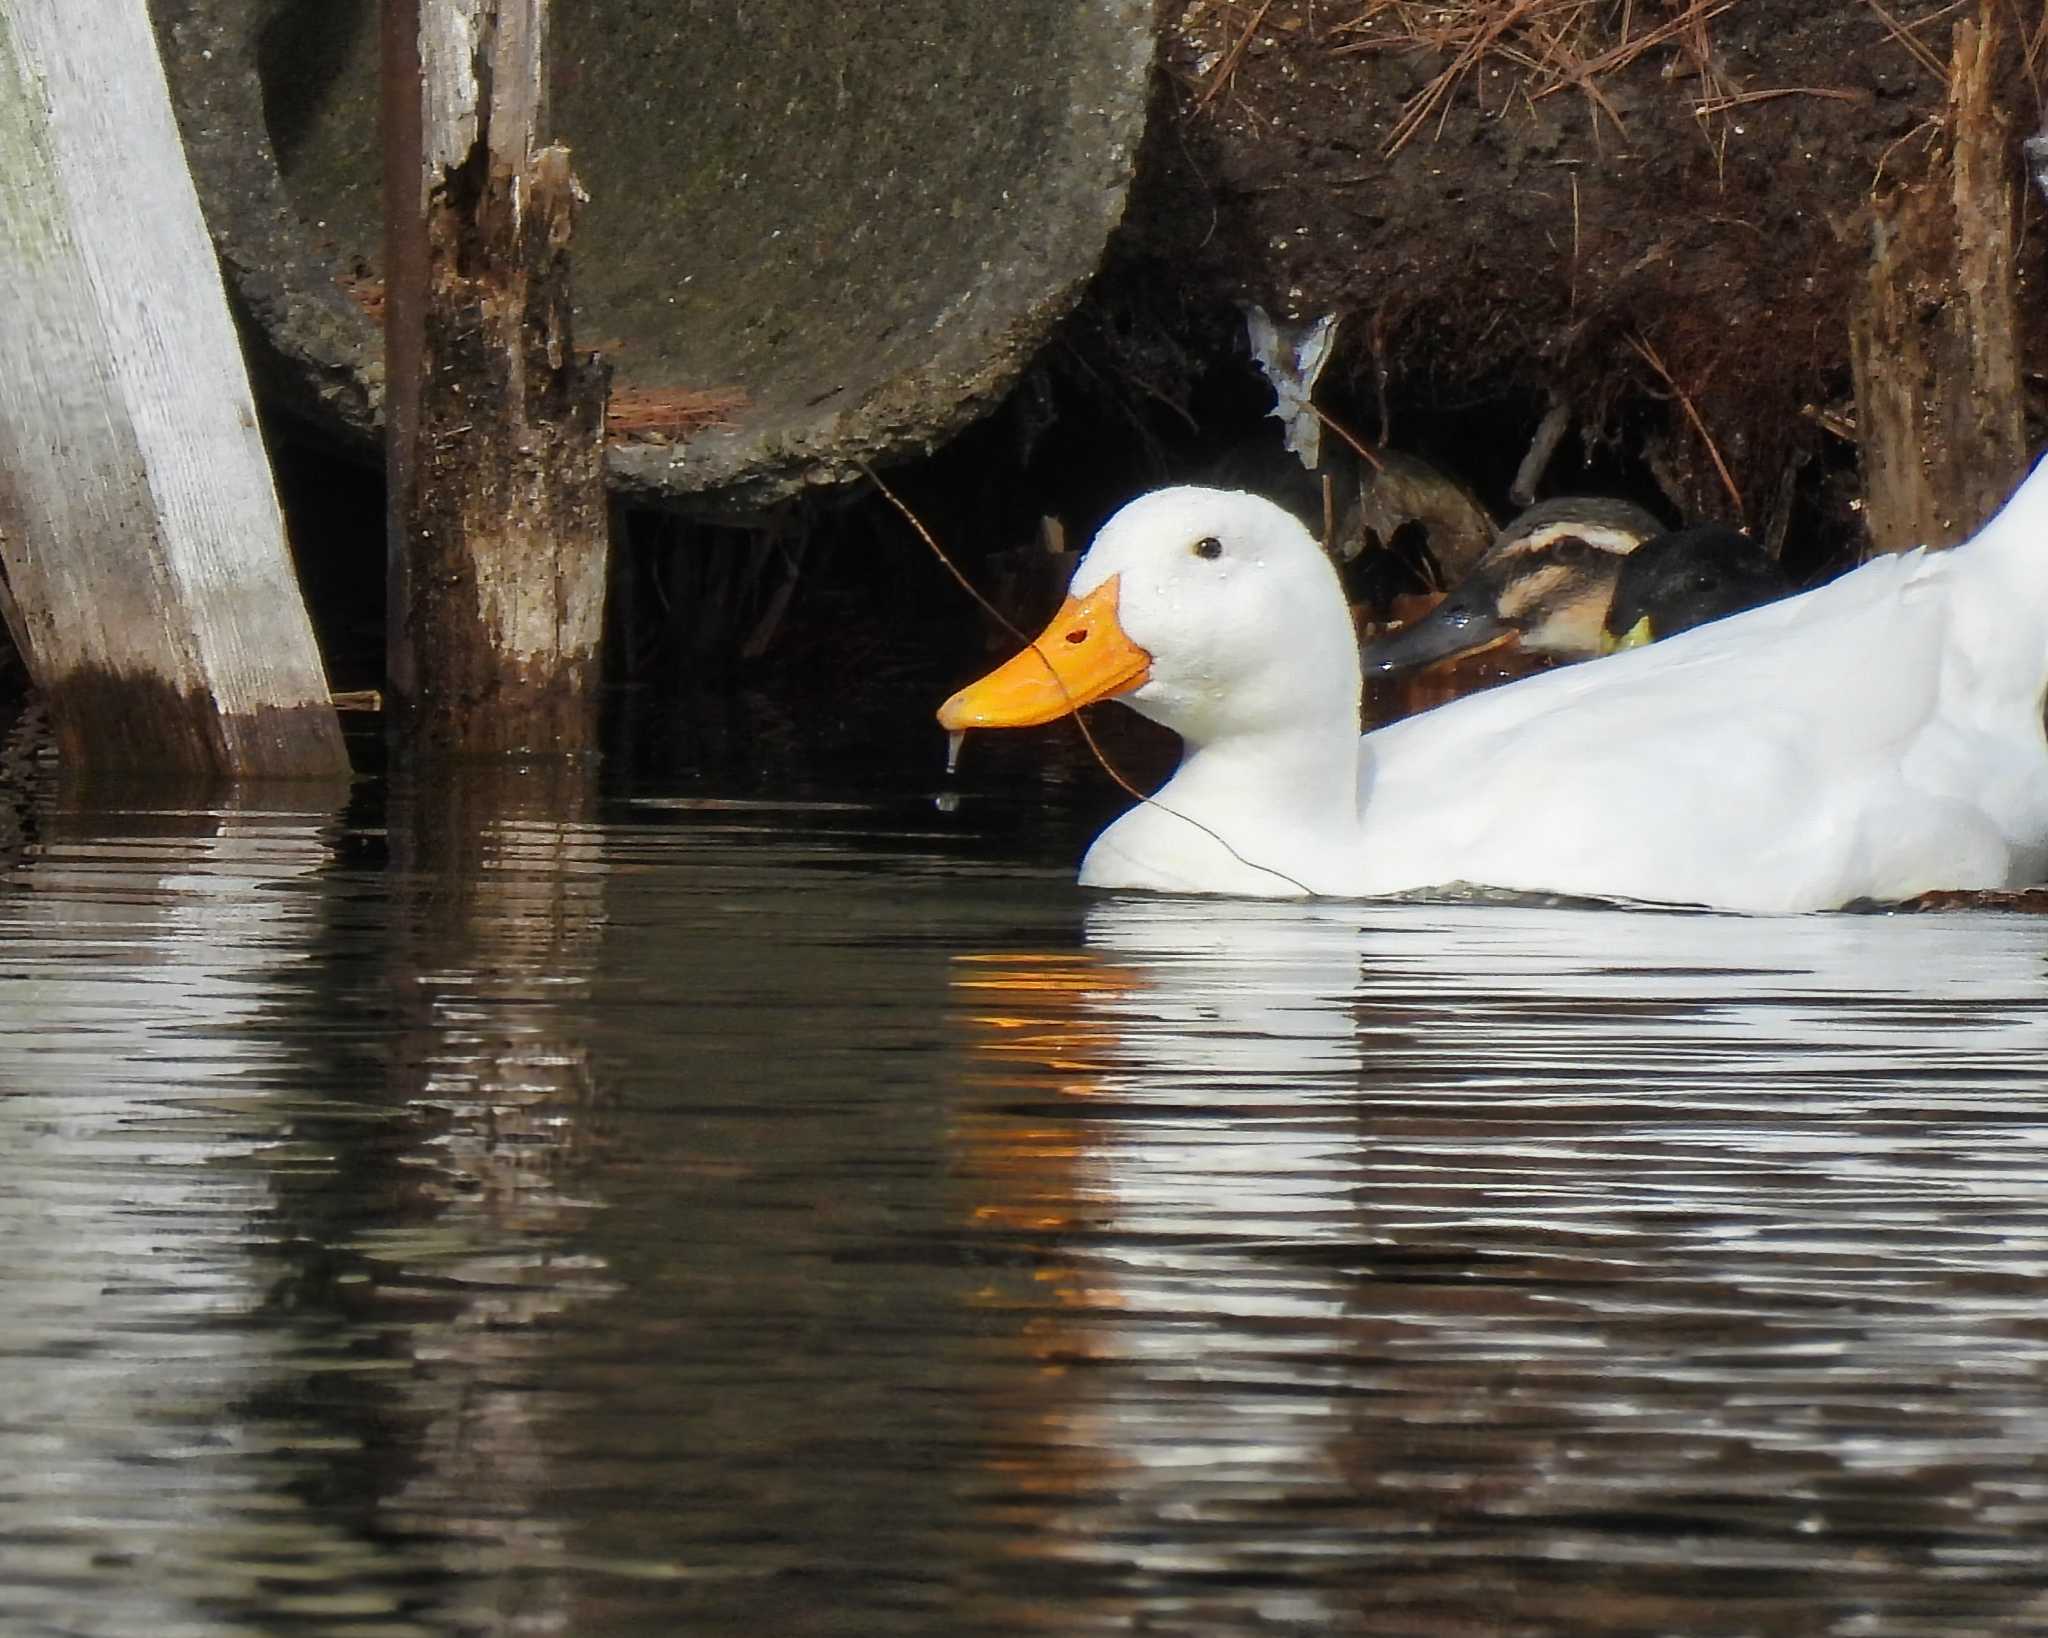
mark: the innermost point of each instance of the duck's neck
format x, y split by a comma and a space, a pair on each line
1298, 776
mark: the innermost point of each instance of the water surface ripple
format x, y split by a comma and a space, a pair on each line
520, 1214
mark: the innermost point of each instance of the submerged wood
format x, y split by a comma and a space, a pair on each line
1933, 341
498, 531
149, 587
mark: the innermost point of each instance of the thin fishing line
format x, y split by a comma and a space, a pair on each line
1073, 706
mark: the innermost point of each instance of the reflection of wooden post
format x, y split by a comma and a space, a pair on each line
496, 455
151, 592
1933, 339
499, 883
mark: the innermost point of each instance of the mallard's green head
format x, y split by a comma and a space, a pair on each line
1686, 578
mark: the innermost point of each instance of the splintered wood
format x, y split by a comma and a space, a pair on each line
1933, 341
499, 515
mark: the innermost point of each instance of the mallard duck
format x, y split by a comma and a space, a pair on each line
1686, 578
1548, 578
1873, 738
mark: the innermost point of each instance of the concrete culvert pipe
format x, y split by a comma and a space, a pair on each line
817, 233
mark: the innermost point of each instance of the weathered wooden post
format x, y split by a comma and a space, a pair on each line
1934, 340
151, 592
495, 452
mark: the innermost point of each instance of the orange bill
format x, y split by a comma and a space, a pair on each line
1082, 656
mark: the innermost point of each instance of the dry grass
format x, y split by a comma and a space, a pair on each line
1563, 45
2033, 48
1551, 45
1228, 66
1640, 345
1921, 52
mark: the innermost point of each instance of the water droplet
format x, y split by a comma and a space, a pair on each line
954, 740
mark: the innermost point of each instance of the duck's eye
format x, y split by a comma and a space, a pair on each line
1210, 547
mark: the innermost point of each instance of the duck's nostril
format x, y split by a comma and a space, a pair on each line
1078, 635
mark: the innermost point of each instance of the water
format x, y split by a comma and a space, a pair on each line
515, 1213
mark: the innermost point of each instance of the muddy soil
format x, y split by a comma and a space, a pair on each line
1653, 213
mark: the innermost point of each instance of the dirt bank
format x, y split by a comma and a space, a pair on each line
1654, 214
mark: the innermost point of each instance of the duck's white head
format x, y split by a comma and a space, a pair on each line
1211, 611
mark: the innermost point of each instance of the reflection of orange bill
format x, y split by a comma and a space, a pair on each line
1031, 1030
1082, 656
1069, 972
1036, 1011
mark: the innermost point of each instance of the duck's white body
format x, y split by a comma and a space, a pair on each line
1872, 739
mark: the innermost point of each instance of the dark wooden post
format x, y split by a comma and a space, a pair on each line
1934, 339
498, 521
149, 587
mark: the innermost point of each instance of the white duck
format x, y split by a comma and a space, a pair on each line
1870, 739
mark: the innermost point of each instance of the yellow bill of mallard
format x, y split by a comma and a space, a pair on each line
1636, 636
